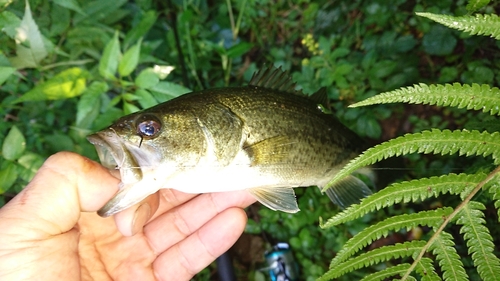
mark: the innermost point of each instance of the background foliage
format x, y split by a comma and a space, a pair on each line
70, 67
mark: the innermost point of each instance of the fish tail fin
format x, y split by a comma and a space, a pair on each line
350, 190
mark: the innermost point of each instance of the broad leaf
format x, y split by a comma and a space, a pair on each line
67, 84
141, 29
145, 98
110, 58
9, 23
147, 79
88, 106
70, 4
130, 59
30, 47
8, 176
14, 144
5, 72
29, 165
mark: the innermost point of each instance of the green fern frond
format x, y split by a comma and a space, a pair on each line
488, 25
479, 240
475, 5
494, 188
405, 192
399, 269
436, 141
366, 236
449, 260
426, 270
477, 97
379, 255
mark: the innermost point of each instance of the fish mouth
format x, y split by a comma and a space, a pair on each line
134, 162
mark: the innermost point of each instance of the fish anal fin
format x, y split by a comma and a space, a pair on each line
269, 151
348, 191
276, 198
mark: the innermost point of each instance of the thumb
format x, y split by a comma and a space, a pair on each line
63, 187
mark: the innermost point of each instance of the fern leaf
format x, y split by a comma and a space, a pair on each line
449, 261
477, 97
379, 255
479, 240
494, 188
475, 5
405, 192
381, 229
488, 25
436, 141
385, 274
426, 269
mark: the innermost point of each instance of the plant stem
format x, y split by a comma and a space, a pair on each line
448, 219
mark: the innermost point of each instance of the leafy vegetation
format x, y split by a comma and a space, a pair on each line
71, 67
468, 214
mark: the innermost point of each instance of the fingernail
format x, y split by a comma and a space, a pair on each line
141, 216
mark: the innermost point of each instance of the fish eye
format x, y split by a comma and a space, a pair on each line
148, 127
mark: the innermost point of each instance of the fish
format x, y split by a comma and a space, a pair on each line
266, 138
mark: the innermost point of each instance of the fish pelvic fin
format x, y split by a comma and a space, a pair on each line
348, 191
276, 198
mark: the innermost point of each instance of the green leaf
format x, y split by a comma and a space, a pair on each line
30, 48
239, 49
147, 79
70, 4
475, 5
145, 99
66, 84
60, 142
14, 144
8, 176
129, 108
407, 191
141, 29
110, 58
438, 142
477, 97
479, 240
388, 273
488, 25
164, 91
98, 10
5, 72
449, 260
365, 237
400, 250
439, 41
30, 163
88, 106
9, 23
130, 59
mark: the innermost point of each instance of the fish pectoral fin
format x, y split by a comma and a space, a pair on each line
269, 151
127, 196
276, 198
348, 191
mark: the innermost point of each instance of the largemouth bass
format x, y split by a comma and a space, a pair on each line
266, 138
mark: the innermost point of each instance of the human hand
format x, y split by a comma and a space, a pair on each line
50, 230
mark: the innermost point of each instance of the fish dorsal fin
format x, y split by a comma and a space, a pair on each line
274, 78
277, 79
321, 98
